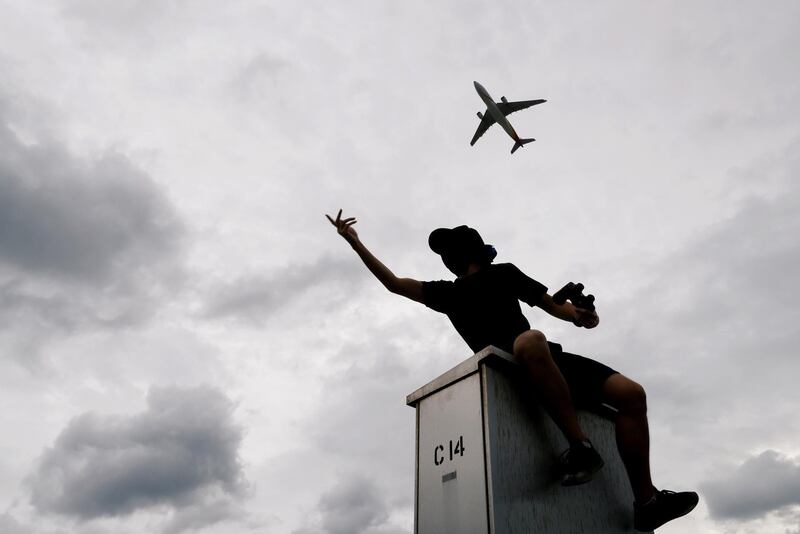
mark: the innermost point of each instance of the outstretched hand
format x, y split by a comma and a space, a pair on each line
586, 318
345, 227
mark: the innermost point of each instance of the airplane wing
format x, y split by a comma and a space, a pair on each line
507, 108
486, 121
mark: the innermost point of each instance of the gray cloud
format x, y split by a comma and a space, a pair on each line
183, 450
82, 241
83, 221
762, 484
254, 298
355, 505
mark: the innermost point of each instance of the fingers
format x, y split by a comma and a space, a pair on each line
587, 318
339, 219
590, 320
341, 224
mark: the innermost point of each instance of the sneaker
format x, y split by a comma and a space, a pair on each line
666, 506
579, 463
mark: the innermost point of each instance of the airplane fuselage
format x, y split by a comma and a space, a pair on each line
495, 112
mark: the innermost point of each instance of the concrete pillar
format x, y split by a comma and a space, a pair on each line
486, 459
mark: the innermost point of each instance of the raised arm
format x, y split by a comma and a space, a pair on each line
407, 287
568, 312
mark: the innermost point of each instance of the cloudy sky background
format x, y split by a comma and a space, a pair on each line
187, 346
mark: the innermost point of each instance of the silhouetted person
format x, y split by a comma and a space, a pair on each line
483, 305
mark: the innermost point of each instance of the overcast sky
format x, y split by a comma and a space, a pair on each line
187, 346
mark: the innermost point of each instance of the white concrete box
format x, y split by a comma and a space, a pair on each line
487, 459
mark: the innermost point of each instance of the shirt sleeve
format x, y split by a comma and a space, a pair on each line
526, 288
437, 295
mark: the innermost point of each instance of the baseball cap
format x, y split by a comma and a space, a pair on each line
461, 240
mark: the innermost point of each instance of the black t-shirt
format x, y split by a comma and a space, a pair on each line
484, 306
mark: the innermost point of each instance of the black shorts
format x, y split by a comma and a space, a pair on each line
584, 377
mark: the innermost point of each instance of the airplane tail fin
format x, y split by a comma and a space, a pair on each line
520, 143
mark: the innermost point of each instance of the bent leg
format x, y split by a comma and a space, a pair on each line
632, 432
531, 349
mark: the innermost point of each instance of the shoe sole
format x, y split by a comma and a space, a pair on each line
684, 512
583, 478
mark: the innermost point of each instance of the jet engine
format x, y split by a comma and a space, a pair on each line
480, 115
504, 100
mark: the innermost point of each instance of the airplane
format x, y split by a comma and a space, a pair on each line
496, 112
